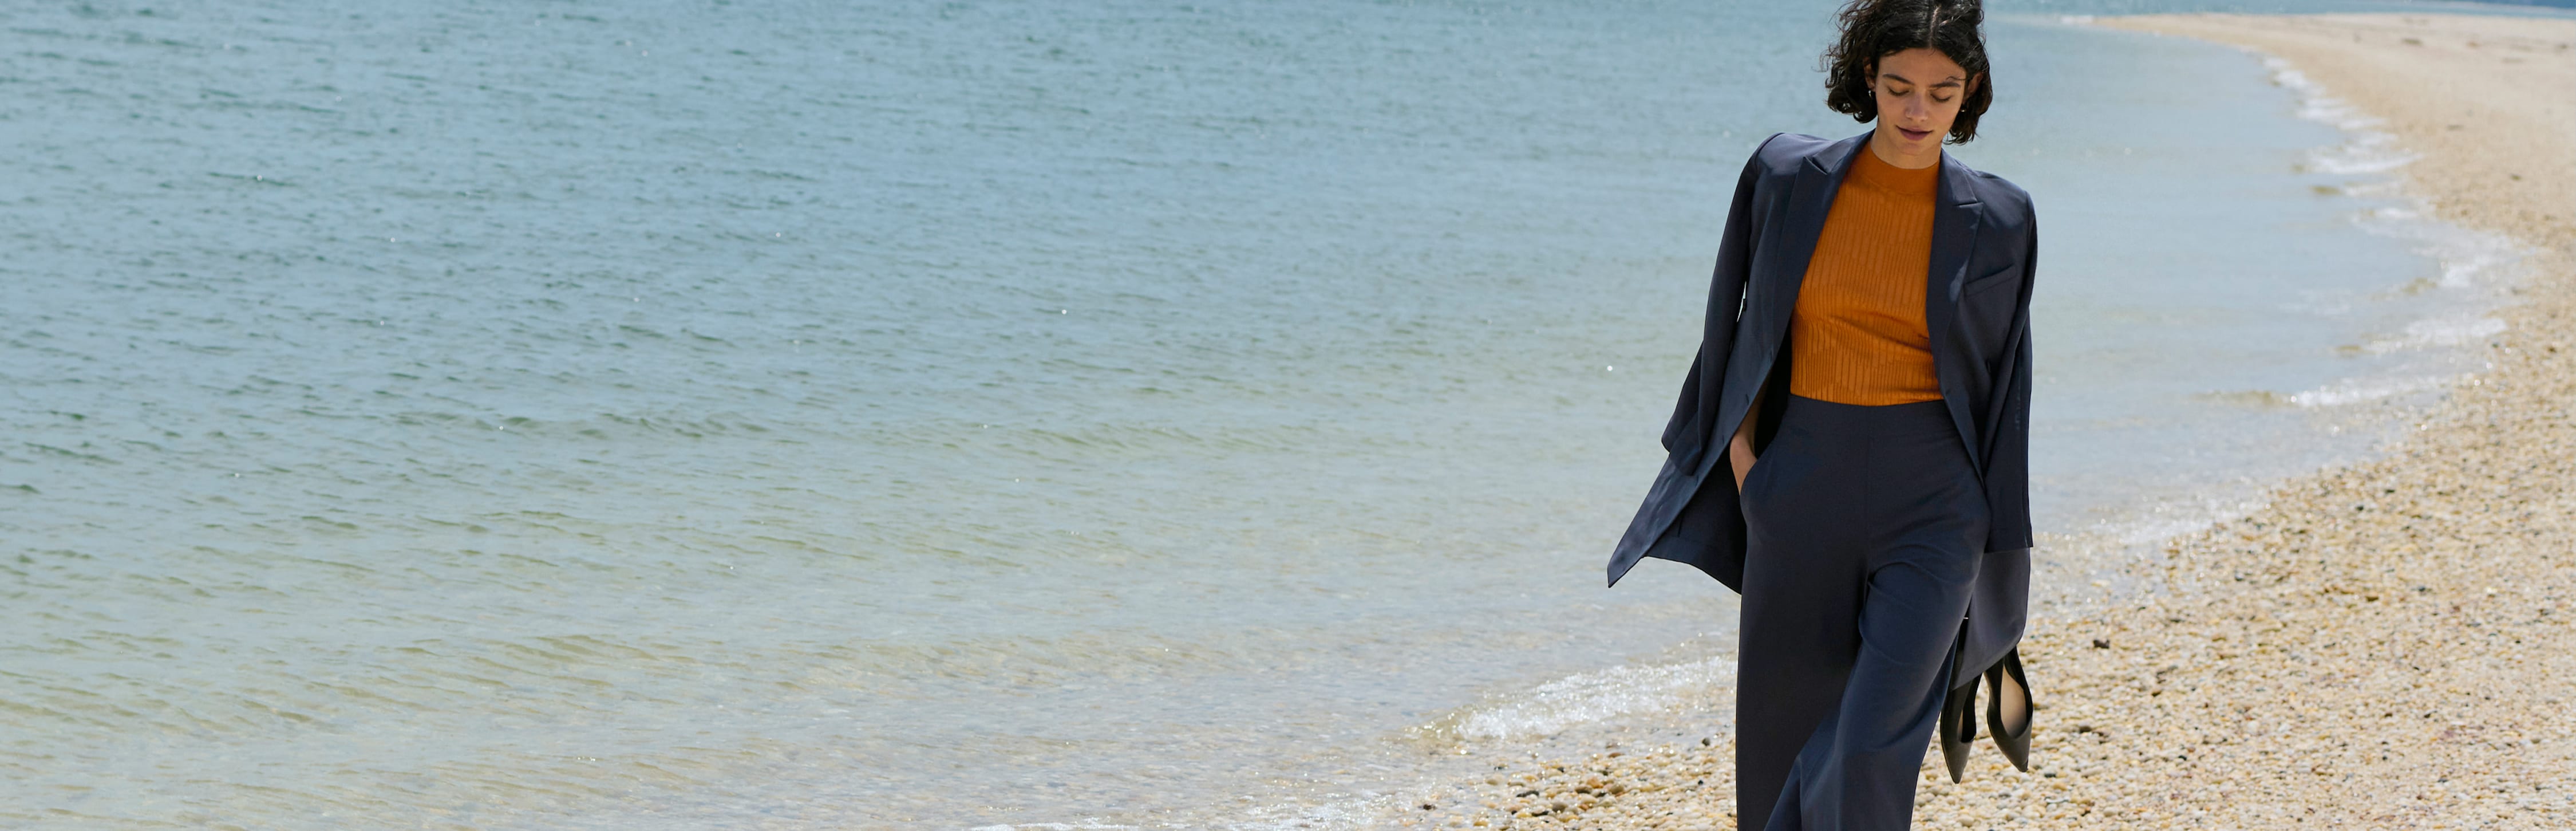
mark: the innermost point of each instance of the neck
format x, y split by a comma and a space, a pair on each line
1890, 151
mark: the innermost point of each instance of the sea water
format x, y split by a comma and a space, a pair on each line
944, 415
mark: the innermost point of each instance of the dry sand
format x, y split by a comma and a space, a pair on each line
2391, 645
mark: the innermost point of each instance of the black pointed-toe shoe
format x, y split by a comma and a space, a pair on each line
2008, 713
1959, 727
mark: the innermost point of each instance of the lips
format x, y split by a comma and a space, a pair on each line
1914, 135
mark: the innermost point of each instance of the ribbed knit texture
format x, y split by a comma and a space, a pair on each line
1857, 335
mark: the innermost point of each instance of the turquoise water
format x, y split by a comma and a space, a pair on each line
942, 415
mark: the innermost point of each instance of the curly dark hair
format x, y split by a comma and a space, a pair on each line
1873, 29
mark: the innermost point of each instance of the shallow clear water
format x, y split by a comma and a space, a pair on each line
907, 415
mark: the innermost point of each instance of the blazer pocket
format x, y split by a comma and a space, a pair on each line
2008, 275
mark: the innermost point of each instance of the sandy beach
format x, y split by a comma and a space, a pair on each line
2388, 645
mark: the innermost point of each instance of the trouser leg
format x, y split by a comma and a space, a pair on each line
1859, 769
1798, 634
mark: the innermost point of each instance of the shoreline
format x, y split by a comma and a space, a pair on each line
2385, 643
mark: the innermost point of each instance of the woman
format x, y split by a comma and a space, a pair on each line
1864, 379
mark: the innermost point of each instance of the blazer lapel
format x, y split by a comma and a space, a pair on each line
1811, 198
1955, 217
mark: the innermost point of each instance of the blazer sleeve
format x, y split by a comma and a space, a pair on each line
1687, 434
2008, 456
1678, 439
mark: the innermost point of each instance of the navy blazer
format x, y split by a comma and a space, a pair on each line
1976, 306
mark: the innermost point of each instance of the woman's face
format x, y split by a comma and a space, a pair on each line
1919, 92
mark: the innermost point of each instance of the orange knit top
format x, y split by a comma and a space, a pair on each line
1857, 334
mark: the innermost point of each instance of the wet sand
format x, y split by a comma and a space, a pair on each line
2388, 645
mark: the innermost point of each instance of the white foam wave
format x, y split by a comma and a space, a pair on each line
1592, 696
1343, 815
2365, 151
2168, 519
2439, 333
2469, 259
2359, 390
2369, 152
2314, 103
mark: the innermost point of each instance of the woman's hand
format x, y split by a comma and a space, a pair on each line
1739, 450
1739, 455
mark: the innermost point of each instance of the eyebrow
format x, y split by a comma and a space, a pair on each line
1951, 81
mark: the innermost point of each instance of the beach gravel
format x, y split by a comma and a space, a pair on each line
2387, 645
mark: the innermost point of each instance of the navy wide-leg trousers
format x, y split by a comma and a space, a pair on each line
1864, 528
